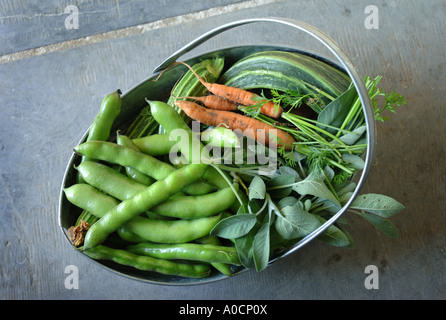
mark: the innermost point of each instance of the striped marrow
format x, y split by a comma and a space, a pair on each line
282, 70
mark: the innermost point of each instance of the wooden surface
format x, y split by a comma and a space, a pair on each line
50, 95
33, 24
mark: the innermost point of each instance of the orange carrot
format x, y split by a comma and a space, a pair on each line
239, 96
250, 127
213, 102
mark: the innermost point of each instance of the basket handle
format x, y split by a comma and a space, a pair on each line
346, 63
334, 47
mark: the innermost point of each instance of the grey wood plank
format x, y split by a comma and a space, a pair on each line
48, 101
32, 24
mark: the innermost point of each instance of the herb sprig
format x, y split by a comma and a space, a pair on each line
282, 211
314, 180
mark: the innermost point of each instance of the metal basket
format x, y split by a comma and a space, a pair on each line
134, 101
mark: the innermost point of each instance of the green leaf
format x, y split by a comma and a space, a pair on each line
336, 111
346, 188
333, 235
356, 162
257, 188
382, 224
256, 207
344, 198
295, 222
329, 173
315, 175
330, 206
261, 247
380, 205
278, 186
287, 201
244, 248
321, 175
315, 188
307, 205
352, 137
290, 171
234, 226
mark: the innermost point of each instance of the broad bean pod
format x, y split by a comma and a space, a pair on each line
188, 207
90, 198
171, 231
220, 137
109, 180
146, 263
129, 236
103, 122
161, 143
170, 120
187, 251
126, 157
224, 268
131, 172
155, 144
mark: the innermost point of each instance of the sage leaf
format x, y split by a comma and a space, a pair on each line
290, 171
330, 206
244, 248
362, 141
346, 188
307, 205
317, 175
257, 188
345, 197
352, 137
234, 226
281, 185
329, 173
336, 111
295, 222
261, 247
355, 161
287, 201
255, 207
315, 188
333, 235
380, 205
383, 225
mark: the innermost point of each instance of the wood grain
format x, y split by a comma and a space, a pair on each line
33, 24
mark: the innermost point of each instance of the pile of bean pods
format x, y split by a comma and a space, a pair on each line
143, 211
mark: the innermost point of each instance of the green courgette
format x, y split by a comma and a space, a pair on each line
282, 71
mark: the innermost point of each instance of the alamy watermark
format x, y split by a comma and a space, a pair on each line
259, 148
372, 280
72, 279
72, 20
372, 20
